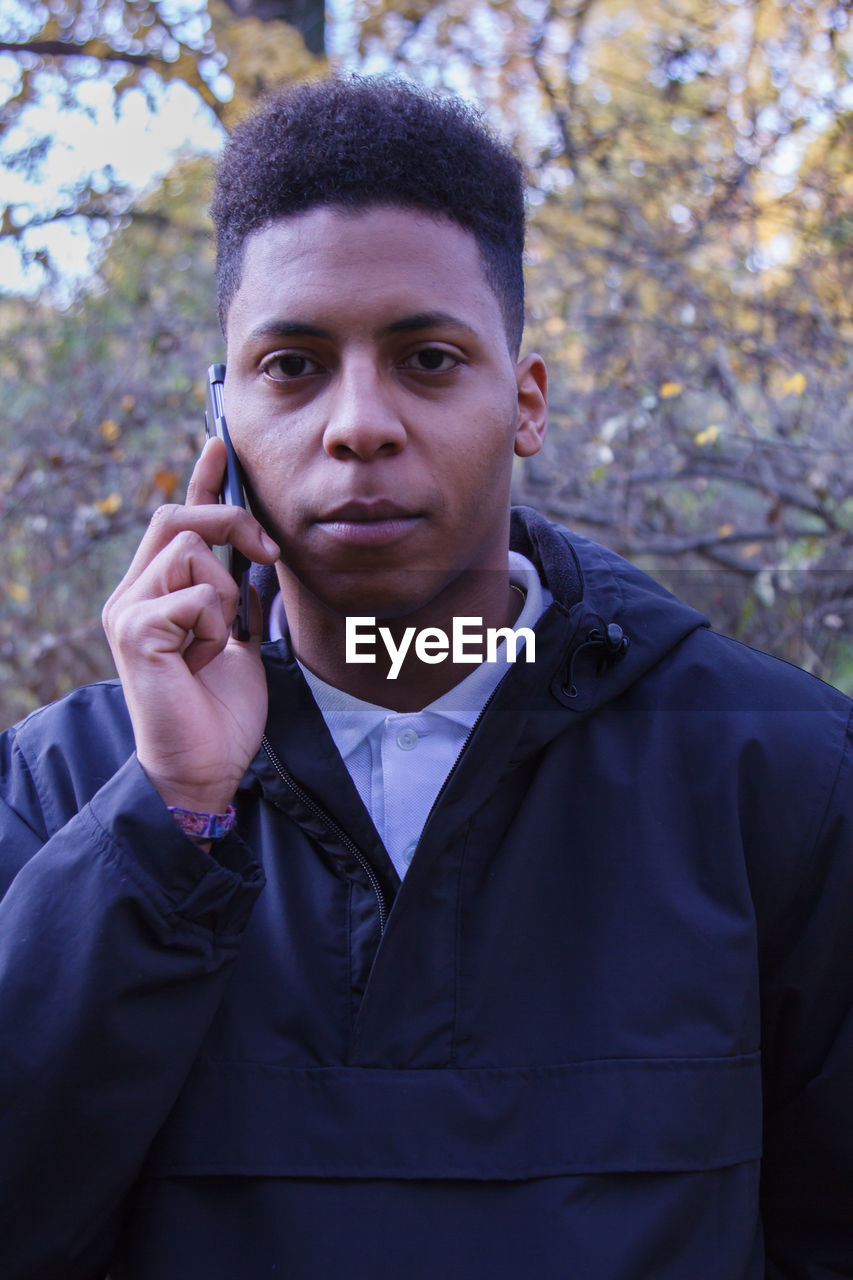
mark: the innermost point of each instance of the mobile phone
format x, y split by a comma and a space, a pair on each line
233, 492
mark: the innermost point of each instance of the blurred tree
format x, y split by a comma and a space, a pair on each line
690, 276
103, 407
307, 16
63, 55
689, 271
103, 398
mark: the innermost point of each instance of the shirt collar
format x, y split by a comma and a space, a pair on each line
355, 719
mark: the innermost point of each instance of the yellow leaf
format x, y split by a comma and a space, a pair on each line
166, 482
751, 549
110, 430
708, 436
795, 385
669, 389
725, 531
109, 506
127, 403
18, 592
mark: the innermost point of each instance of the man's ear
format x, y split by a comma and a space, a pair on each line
532, 379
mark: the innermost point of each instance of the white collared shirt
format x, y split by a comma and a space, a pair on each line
400, 760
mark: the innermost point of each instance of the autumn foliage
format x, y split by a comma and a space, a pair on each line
690, 282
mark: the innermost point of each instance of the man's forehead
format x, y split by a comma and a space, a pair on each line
416, 269
326, 229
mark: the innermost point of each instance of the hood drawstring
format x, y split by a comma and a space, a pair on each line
613, 642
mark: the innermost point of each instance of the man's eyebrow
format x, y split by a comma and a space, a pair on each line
287, 329
406, 324
428, 320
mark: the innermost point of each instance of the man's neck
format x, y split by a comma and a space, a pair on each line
398, 678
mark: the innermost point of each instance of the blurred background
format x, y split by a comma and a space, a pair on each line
690, 282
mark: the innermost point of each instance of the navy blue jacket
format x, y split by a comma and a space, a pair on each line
619, 968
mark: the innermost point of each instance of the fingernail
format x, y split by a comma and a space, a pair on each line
269, 546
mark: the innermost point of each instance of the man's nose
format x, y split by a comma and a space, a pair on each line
363, 421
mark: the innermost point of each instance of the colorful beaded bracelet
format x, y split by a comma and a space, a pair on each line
204, 826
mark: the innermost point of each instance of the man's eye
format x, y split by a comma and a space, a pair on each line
431, 360
281, 368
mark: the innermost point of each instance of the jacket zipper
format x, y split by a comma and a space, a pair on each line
346, 840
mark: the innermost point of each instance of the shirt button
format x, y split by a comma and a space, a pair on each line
408, 854
406, 739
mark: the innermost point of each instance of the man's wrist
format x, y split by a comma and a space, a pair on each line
193, 800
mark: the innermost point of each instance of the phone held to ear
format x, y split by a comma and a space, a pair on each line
233, 492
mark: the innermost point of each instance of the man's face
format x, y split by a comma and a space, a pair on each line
375, 406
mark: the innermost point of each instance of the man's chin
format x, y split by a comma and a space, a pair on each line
382, 594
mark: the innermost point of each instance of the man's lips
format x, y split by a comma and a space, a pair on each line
368, 522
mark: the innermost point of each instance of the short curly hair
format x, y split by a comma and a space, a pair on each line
352, 142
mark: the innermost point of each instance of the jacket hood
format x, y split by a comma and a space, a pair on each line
613, 622
623, 622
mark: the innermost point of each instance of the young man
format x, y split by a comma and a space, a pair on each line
318, 966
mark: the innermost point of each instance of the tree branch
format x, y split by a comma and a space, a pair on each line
68, 49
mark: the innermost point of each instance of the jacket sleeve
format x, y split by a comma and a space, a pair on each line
807, 1186
117, 935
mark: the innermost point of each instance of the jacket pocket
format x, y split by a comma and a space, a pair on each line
611, 1116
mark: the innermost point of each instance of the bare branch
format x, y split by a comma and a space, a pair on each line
91, 49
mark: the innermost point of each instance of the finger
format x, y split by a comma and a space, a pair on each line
211, 632
185, 561
207, 475
205, 645
205, 486
216, 525
157, 629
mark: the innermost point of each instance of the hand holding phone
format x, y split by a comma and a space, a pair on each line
233, 492
197, 700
